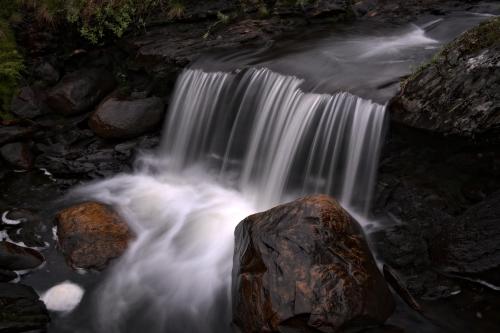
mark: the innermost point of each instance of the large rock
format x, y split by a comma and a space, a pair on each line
458, 93
46, 73
14, 133
79, 91
91, 234
121, 119
305, 267
7, 276
471, 245
17, 154
20, 309
29, 103
14, 257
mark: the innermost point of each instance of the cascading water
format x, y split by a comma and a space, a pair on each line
278, 139
235, 143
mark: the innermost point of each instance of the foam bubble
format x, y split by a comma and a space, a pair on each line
63, 297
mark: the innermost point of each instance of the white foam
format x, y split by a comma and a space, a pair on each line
377, 46
63, 297
8, 221
180, 262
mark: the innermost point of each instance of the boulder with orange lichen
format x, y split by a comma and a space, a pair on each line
91, 235
305, 266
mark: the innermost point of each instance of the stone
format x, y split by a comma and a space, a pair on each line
7, 276
305, 266
28, 103
14, 133
15, 258
80, 91
25, 226
470, 246
91, 234
21, 310
122, 119
47, 73
19, 216
320, 8
17, 154
458, 93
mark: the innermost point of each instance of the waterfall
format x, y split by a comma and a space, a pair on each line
234, 143
281, 139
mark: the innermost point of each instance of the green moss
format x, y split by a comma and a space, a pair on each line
11, 66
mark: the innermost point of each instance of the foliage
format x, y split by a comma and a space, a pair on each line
98, 19
11, 65
222, 19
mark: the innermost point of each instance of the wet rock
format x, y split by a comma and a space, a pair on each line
121, 119
81, 154
17, 154
470, 246
196, 10
321, 8
21, 310
47, 73
14, 257
383, 329
458, 93
79, 91
364, 7
165, 51
91, 234
29, 235
399, 287
29, 103
7, 276
26, 227
303, 267
19, 217
424, 186
14, 133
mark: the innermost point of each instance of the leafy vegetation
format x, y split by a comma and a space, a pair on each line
96, 19
11, 62
222, 19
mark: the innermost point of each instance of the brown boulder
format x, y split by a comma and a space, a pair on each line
91, 234
305, 266
122, 119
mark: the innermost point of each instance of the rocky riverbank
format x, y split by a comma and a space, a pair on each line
438, 180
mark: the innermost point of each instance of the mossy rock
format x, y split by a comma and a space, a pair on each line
458, 91
486, 35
